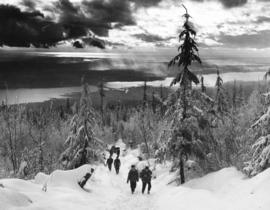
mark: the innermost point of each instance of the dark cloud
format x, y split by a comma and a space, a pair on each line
149, 37
32, 28
76, 22
259, 40
105, 12
89, 41
233, 3
93, 41
229, 3
66, 20
262, 19
30, 4
146, 3
23, 29
78, 44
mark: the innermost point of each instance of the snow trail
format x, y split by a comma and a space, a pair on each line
227, 189
116, 184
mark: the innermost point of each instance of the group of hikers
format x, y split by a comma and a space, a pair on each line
145, 175
116, 162
133, 175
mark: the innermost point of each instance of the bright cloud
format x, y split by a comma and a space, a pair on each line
218, 22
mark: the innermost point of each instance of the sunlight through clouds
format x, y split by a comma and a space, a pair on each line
161, 21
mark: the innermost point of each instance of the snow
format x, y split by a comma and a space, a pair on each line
207, 98
61, 178
227, 189
11, 199
198, 110
264, 118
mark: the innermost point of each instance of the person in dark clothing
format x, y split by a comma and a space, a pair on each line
146, 176
109, 163
112, 151
133, 178
117, 151
85, 178
117, 164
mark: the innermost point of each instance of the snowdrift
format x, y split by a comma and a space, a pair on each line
227, 189
11, 199
60, 178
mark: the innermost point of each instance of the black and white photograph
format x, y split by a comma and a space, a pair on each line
134, 104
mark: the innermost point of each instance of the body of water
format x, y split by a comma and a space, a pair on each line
23, 95
26, 95
37, 76
209, 80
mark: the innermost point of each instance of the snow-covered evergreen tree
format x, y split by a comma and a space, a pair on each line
203, 88
260, 159
82, 146
189, 109
221, 102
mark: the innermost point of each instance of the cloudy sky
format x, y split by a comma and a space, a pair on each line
133, 24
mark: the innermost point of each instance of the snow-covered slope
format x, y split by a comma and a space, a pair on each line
227, 189
11, 199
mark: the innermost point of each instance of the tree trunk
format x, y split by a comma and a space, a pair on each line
147, 148
145, 139
144, 95
184, 102
41, 159
181, 168
101, 110
12, 153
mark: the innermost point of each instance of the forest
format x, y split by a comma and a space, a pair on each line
212, 127
190, 130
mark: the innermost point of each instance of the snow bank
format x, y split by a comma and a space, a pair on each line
186, 199
10, 199
41, 178
60, 178
216, 181
227, 189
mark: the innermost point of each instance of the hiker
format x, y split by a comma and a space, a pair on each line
112, 151
146, 175
117, 164
133, 178
117, 151
85, 178
109, 163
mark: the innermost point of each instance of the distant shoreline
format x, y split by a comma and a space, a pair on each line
54, 71
134, 95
